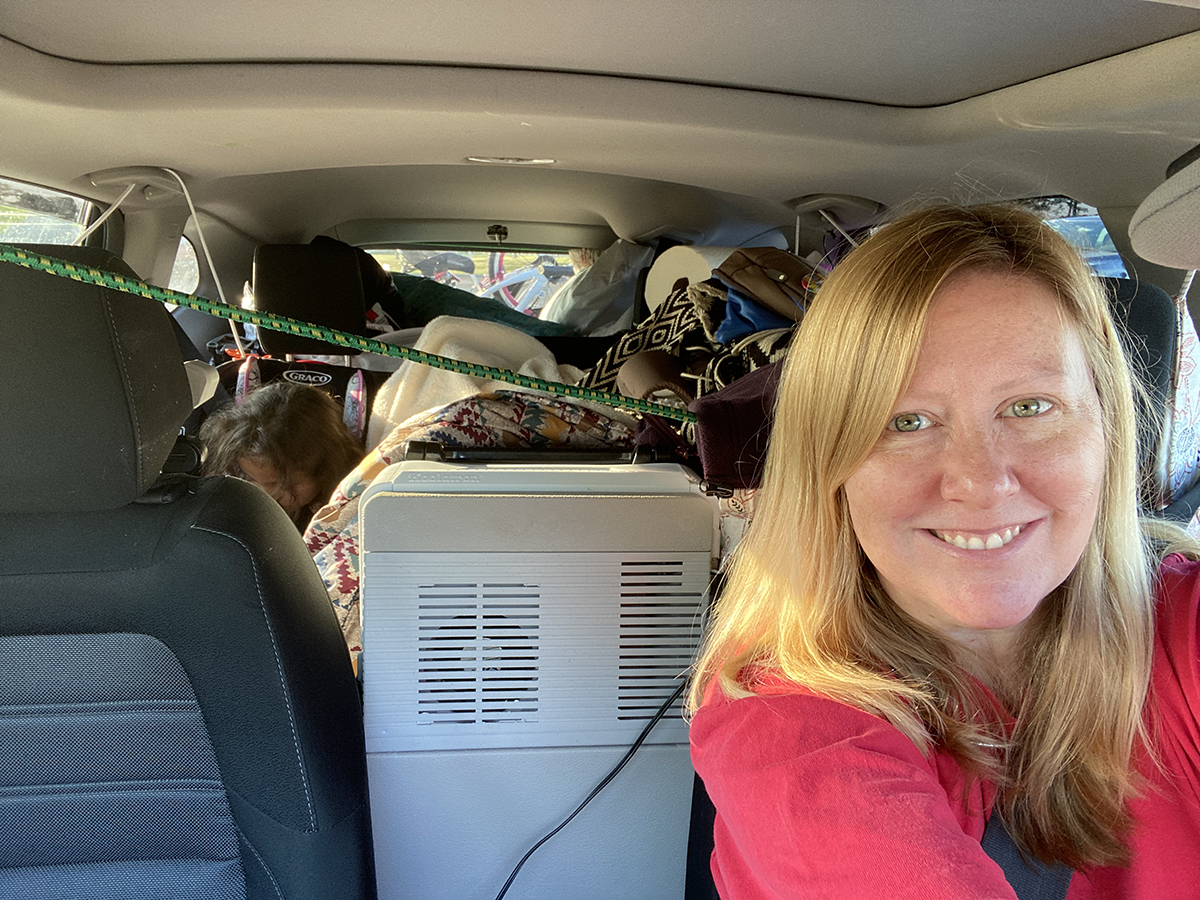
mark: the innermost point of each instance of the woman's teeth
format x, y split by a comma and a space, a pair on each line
993, 541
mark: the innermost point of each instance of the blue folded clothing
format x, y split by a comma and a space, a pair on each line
743, 316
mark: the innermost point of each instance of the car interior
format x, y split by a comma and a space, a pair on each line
413, 207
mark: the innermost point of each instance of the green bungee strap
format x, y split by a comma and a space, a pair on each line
17, 256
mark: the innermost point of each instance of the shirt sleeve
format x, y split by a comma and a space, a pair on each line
817, 799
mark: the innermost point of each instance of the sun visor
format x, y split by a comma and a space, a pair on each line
1166, 227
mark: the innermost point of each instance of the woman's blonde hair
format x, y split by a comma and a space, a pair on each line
801, 599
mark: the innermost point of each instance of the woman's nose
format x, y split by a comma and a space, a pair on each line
977, 471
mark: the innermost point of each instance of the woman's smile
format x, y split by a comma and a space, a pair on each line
989, 540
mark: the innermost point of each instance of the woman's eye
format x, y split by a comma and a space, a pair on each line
1024, 409
908, 422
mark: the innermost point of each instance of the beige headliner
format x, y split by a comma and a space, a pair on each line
287, 149
908, 53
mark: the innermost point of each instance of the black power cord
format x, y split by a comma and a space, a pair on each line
654, 720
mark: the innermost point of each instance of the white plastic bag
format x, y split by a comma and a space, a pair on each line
599, 300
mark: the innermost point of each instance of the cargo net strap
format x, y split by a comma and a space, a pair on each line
273, 322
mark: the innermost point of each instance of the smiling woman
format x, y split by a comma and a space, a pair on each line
981, 494
944, 611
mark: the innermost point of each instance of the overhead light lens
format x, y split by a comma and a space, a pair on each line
511, 161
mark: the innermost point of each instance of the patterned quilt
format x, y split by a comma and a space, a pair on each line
503, 419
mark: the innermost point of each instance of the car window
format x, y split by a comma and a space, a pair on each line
1082, 226
1090, 235
523, 279
185, 275
36, 215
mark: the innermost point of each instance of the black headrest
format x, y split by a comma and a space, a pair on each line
318, 283
99, 258
90, 426
1149, 320
376, 280
92, 257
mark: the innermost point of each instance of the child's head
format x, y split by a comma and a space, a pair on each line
289, 439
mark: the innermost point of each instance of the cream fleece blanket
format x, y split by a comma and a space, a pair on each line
414, 388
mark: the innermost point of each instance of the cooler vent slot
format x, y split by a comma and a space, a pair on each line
477, 652
660, 627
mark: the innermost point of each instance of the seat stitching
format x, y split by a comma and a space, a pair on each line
287, 697
1186, 195
137, 428
262, 862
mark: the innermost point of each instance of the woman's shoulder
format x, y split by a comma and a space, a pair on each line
790, 768
784, 720
1177, 614
1178, 568
1178, 590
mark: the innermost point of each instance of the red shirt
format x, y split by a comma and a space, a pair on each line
817, 799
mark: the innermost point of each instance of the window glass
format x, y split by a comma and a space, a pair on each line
1082, 226
185, 275
36, 215
522, 279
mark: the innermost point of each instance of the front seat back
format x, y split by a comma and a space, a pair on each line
178, 715
1149, 327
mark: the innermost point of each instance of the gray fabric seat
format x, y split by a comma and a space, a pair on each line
178, 715
99, 258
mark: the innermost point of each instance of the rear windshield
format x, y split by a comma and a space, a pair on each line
522, 279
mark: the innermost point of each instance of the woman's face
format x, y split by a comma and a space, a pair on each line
979, 498
295, 497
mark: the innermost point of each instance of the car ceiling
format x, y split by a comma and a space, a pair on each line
904, 54
290, 119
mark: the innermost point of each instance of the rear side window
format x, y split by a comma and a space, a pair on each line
1090, 235
1082, 226
36, 215
185, 275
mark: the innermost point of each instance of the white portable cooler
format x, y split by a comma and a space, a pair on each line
521, 624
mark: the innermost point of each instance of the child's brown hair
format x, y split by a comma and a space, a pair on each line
296, 429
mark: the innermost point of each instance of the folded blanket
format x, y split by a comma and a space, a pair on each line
414, 388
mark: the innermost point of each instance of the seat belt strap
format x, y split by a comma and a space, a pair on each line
1031, 880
